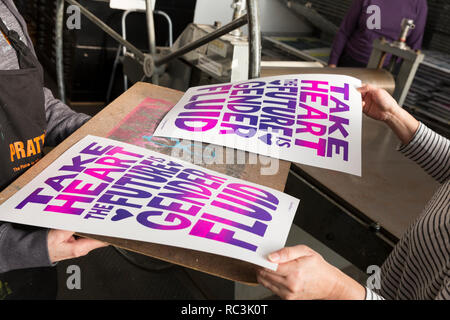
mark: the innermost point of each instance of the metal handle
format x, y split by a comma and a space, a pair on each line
254, 29
151, 35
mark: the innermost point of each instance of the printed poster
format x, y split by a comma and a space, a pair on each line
110, 188
309, 119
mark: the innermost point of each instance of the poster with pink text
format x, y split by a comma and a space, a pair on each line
110, 188
312, 119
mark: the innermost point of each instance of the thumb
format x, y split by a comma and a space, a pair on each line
290, 253
83, 246
364, 88
60, 236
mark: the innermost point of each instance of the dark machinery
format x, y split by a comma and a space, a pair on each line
152, 63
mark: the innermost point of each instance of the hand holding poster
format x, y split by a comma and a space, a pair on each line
110, 188
309, 119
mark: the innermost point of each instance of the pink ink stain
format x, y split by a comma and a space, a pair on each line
141, 123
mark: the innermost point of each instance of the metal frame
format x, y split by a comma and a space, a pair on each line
302, 54
409, 65
123, 50
150, 61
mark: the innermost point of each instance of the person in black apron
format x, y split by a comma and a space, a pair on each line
22, 116
22, 135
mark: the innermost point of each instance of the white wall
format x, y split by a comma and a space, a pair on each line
275, 17
208, 11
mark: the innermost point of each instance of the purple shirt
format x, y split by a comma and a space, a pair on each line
355, 38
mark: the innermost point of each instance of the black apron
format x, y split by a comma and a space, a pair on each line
22, 112
22, 133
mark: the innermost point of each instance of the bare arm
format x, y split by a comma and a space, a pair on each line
428, 149
379, 105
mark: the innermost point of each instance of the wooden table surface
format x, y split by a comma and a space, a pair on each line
110, 118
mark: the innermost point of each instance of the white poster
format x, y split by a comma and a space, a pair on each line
309, 119
110, 188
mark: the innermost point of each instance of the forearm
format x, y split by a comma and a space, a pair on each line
346, 288
430, 151
61, 120
22, 248
402, 124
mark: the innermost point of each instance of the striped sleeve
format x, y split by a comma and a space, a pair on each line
445, 292
430, 151
370, 295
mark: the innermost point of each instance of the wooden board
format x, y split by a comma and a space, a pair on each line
128, 119
377, 77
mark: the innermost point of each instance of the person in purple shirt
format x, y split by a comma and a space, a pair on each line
352, 45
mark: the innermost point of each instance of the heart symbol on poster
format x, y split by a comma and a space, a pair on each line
267, 139
121, 214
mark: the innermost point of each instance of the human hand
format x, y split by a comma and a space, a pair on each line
331, 66
378, 104
62, 245
303, 274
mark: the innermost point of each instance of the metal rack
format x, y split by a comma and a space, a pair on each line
429, 96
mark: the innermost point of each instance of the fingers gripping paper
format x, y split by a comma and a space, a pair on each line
309, 119
110, 188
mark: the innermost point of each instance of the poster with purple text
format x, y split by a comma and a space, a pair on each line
309, 119
110, 188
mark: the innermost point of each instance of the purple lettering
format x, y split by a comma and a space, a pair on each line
115, 162
156, 202
77, 164
56, 182
253, 211
143, 217
319, 146
338, 124
240, 130
314, 95
342, 90
67, 207
203, 229
35, 197
121, 150
97, 151
86, 189
102, 173
258, 227
108, 197
340, 145
312, 128
196, 124
315, 85
311, 113
254, 192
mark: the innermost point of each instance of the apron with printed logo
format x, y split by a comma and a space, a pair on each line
22, 111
